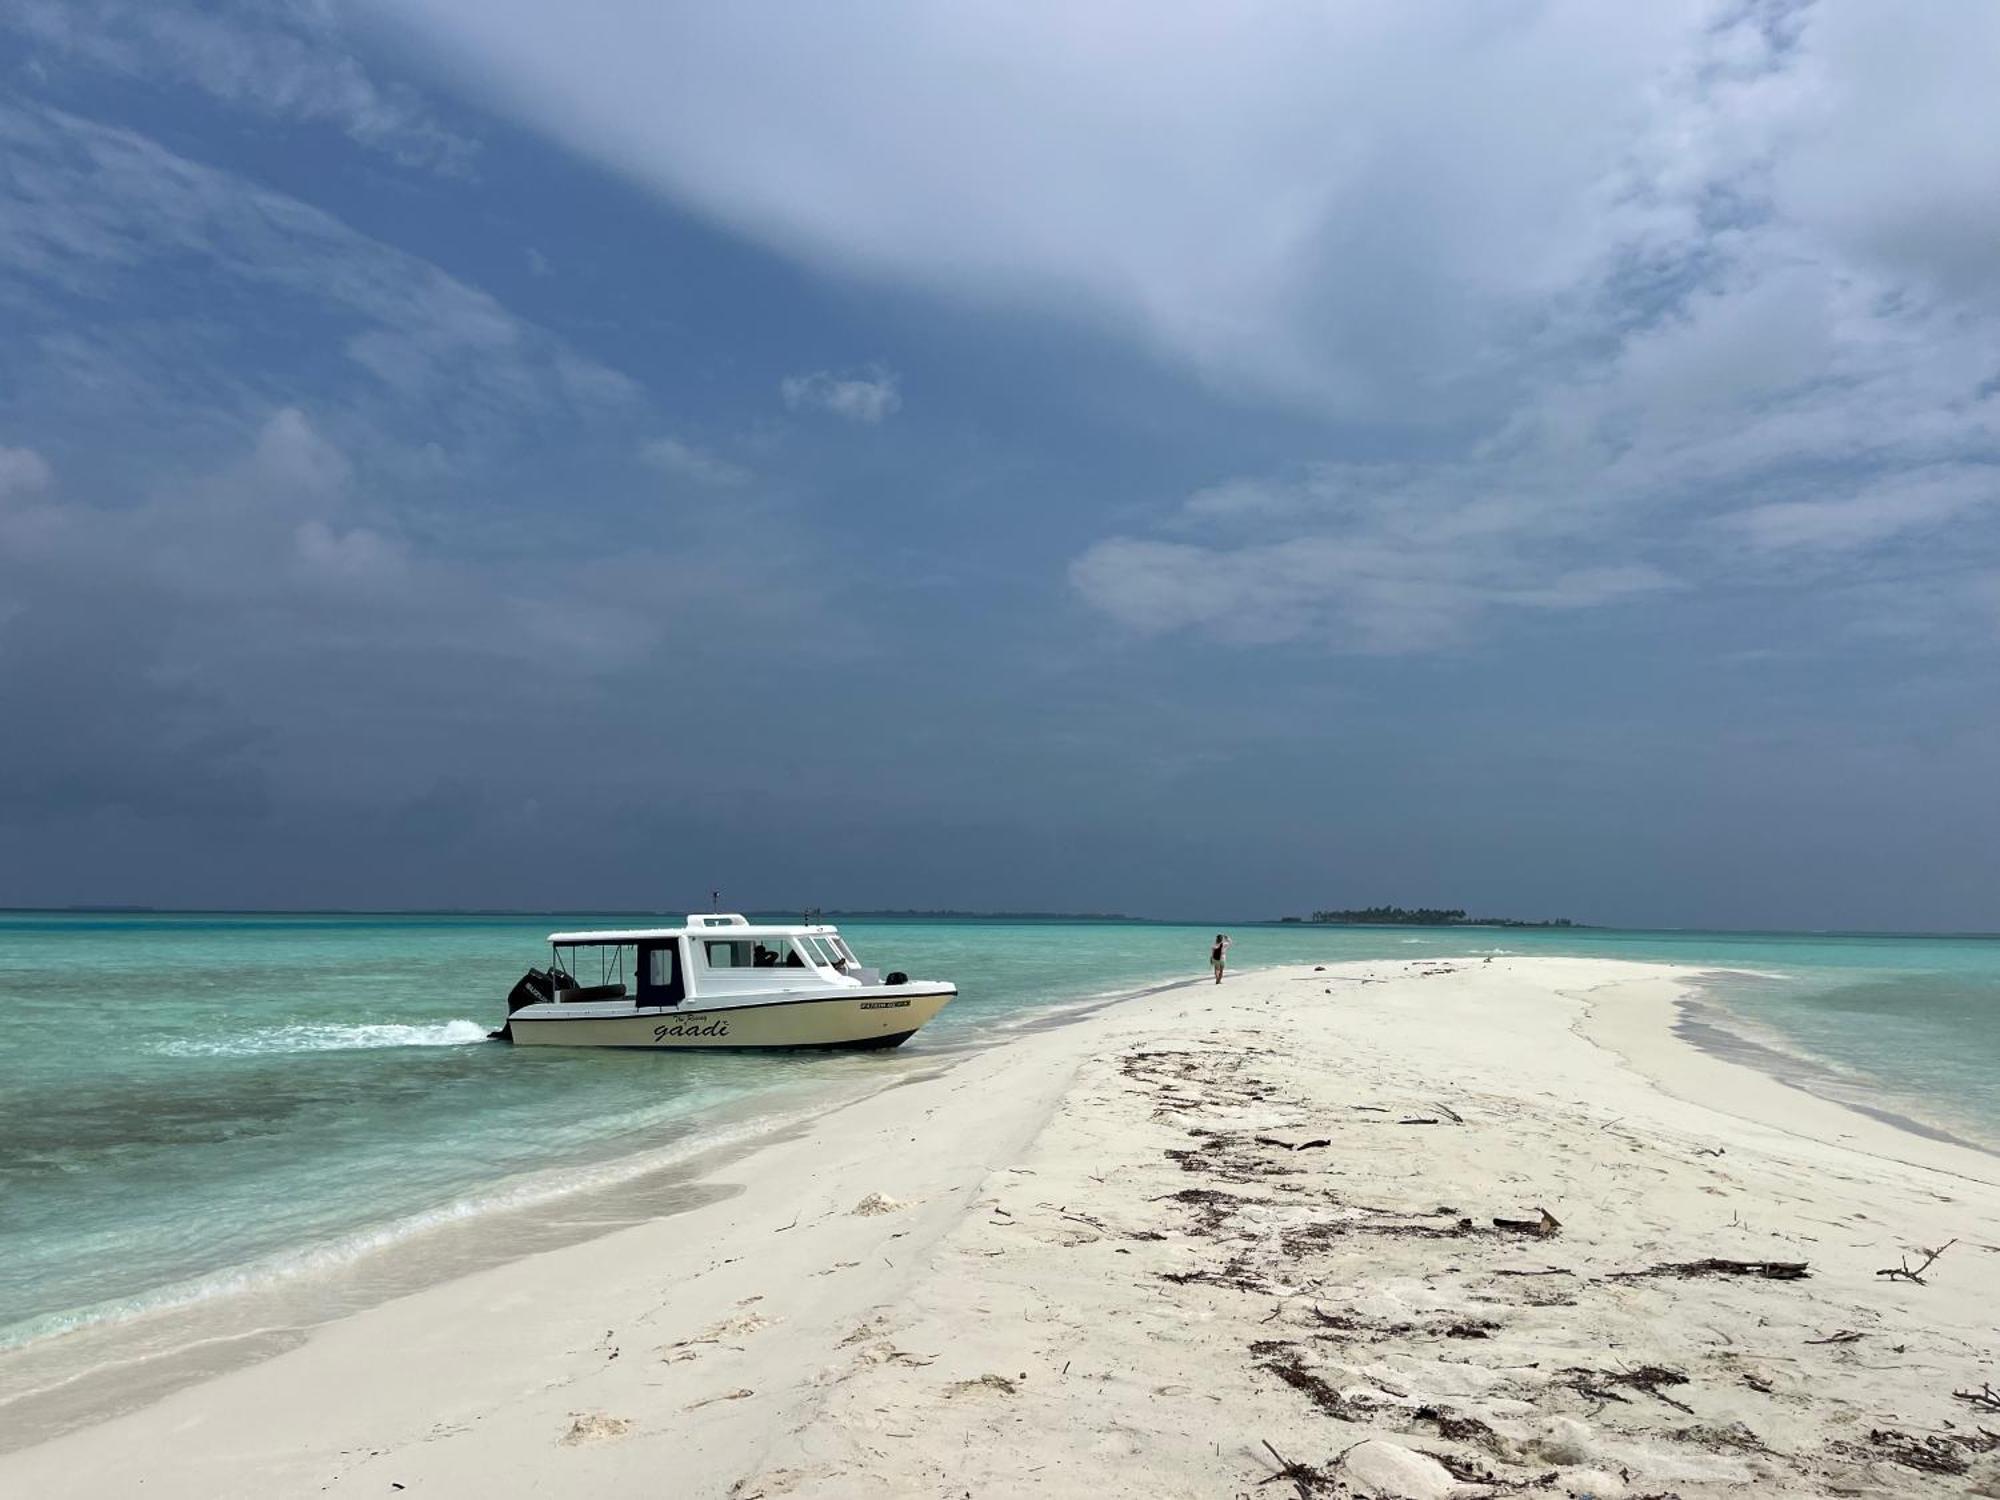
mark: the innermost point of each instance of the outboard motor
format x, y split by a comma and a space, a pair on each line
536, 987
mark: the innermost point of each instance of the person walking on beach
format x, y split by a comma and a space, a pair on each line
1218, 954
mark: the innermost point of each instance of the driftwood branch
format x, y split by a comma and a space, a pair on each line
1305, 1479
1985, 1398
1906, 1272
1768, 1270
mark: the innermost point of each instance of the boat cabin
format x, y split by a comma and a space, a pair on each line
715, 957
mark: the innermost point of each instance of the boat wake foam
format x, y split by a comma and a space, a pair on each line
330, 1037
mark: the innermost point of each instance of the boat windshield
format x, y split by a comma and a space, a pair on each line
827, 951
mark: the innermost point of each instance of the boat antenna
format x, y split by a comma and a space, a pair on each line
715, 901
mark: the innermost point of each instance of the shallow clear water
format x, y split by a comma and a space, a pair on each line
188, 1102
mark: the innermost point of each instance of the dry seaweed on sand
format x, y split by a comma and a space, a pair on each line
1459, 1429
1929, 1455
1347, 1321
1472, 1328
1288, 1368
1225, 1160
1603, 1385
1214, 1206
1235, 1275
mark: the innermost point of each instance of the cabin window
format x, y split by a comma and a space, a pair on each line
659, 968
761, 953
751, 953
737, 954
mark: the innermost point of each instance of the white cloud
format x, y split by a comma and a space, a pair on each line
288, 62
292, 456
358, 557
91, 216
1359, 558
1876, 512
23, 472
681, 460
1349, 206
867, 396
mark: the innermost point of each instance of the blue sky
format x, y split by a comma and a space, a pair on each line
1188, 460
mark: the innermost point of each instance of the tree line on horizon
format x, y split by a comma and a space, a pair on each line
1424, 916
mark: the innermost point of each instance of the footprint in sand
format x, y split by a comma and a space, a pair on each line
873, 1328
593, 1426
742, 1325
998, 1383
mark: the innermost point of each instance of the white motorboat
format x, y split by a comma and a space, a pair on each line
719, 981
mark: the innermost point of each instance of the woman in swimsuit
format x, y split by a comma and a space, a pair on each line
1217, 954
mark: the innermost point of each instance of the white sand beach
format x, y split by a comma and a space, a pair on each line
1182, 1245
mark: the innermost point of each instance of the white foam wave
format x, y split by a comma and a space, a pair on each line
331, 1037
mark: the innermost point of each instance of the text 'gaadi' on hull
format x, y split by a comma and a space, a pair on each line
717, 982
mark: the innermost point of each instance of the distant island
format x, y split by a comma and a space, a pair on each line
1422, 916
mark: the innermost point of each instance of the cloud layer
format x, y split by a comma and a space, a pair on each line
1505, 407
286, 61
1642, 297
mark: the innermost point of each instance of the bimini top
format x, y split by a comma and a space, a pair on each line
731, 924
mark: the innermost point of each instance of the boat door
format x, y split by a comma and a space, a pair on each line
660, 979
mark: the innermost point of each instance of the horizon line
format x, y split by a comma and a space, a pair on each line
133, 909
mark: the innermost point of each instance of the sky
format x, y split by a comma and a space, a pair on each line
1206, 460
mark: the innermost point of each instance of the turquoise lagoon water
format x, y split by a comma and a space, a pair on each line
190, 1104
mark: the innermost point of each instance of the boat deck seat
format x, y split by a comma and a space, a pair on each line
590, 992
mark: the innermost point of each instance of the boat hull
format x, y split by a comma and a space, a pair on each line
865, 1020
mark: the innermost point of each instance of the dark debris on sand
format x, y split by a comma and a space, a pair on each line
1266, 1198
